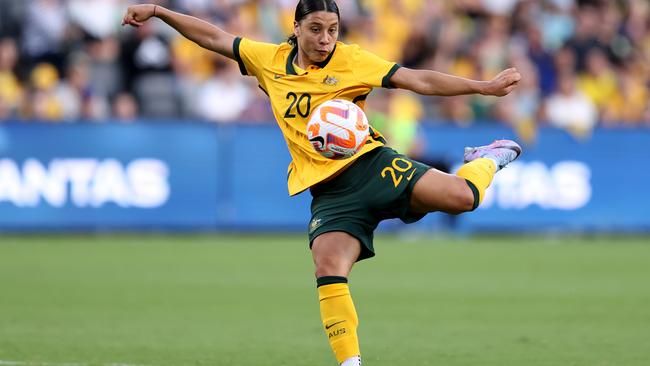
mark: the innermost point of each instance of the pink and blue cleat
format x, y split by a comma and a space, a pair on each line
502, 152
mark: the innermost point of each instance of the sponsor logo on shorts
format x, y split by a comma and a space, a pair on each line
411, 175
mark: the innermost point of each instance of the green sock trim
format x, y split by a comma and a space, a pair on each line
477, 195
328, 280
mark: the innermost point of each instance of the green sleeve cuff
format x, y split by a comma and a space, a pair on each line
385, 82
235, 51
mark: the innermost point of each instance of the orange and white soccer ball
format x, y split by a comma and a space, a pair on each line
337, 129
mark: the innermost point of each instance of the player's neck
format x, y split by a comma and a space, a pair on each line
301, 60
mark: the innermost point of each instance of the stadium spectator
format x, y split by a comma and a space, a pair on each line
125, 107
11, 90
569, 108
521, 108
12, 17
147, 63
223, 97
629, 104
598, 81
105, 75
542, 59
44, 32
95, 17
44, 100
585, 35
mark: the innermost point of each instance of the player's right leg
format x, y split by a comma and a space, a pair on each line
438, 191
483, 161
334, 253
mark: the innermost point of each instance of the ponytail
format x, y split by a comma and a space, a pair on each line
292, 40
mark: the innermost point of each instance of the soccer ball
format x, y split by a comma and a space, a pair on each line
337, 129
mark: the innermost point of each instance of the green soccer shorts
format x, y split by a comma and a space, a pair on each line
375, 187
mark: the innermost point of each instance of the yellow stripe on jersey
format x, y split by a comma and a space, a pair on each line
349, 73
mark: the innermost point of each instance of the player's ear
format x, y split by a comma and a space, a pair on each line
296, 28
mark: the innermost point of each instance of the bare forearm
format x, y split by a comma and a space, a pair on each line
430, 82
200, 32
437, 83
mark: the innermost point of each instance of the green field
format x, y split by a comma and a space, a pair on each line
251, 300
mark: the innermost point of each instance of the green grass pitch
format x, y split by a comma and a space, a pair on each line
170, 300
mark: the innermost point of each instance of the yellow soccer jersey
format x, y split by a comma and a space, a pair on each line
348, 73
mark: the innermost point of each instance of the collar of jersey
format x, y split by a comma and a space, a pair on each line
292, 71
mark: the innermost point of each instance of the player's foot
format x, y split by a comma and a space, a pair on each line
502, 152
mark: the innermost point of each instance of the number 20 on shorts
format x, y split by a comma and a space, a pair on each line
398, 167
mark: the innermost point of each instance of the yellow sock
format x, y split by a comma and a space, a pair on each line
339, 316
478, 174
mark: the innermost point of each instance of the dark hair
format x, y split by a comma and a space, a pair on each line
305, 7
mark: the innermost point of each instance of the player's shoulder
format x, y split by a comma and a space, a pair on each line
347, 47
262, 44
353, 52
264, 51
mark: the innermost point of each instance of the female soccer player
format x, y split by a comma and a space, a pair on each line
350, 197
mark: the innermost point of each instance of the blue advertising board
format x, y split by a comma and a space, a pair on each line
561, 182
185, 176
108, 176
259, 196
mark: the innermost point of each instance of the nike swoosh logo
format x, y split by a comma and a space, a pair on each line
276, 76
411, 175
333, 324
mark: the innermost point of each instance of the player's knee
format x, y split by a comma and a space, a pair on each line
468, 201
329, 266
463, 200
335, 253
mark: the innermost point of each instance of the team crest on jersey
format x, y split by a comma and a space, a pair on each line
330, 80
315, 224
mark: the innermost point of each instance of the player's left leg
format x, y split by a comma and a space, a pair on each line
334, 254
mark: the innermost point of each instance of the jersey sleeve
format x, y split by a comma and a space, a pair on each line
251, 55
373, 70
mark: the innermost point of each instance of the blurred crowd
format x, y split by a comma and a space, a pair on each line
584, 63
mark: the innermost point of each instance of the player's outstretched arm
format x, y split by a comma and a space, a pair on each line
429, 82
200, 32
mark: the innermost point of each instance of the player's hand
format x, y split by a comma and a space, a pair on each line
136, 15
503, 83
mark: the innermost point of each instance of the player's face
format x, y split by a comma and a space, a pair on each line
317, 34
